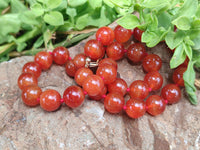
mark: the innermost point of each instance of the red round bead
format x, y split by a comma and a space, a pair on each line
44, 59
31, 94
26, 79
139, 90
155, 105
115, 51
178, 76
171, 93
114, 102
152, 62
79, 60
119, 86
105, 35
108, 73
100, 95
81, 74
94, 49
50, 100
137, 33
135, 108
122, 35
73, 96
70, 68
93, 85
60, 55
32, 67
154, 80
136, 52
108, 61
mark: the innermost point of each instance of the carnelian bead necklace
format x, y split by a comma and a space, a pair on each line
103, 84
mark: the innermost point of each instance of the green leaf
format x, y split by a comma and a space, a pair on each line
82, 22
51, 4
188, 9
129, 21
54, 18
122, 4
196, 43
109, 3
95, 3
189, 79
66, 27
188, 50
173, 39
17, 6
3, 4
182, 23
178, 57
28, 17
9, 23
4, 58
37, 9
155, 3
75, 3
38, 42
21, 46
42, 1
72, 13
164, 20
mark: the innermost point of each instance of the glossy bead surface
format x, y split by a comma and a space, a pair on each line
155, 105
119, 86
108, 61
178, 76
44, 59
136, 52
60, 55
122, 35
152, 62
32, 67
100, 95
93, 85
31, 94
139, 90
26, 79
115, 51
79, 60
137, 33
114, 102
94, 49
154, 80
108, 73
171, 93
135, 108
105, 35
81, 74
50, 100
70, 68
73, 96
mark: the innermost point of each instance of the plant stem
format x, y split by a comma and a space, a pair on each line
197, 83
65, 43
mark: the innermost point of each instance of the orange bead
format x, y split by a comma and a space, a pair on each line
31, 94
44, 59
32, 67
114, 102
26, 79
115, 51
105, 35
152, 62
108, 73
178, 76
60, 55
139, 90
155, 105
93, 85
70, 68
135, 108
73, 96
79, 60
100, 95
108, 61
50, 100
119, 85
122, 35
81, 74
